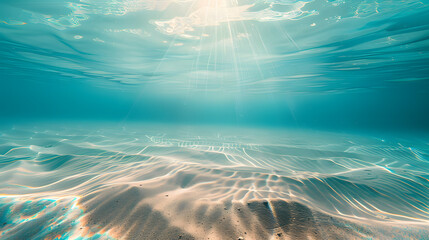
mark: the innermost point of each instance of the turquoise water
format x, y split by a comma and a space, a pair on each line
220, 119
333, 64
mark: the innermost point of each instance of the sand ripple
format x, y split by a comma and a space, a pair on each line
151, 182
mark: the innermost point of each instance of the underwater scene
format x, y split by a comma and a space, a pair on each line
214, 119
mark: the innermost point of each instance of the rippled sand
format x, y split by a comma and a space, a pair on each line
171, 182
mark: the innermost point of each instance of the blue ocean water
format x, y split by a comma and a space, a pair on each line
220, 119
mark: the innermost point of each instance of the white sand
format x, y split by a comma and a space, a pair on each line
175, 184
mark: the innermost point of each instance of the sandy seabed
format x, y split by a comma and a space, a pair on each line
171, 182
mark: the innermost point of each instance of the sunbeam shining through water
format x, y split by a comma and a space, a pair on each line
214, 119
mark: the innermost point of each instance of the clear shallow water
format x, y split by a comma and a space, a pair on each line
198, 119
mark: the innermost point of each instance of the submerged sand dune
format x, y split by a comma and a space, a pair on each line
158, 182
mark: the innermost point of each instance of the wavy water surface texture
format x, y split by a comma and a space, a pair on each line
164, 183
227, 46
